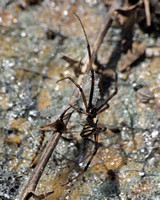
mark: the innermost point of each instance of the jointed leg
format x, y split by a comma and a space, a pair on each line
102, 126
79, 87
94, 152
92, 89
51, 126
103, 109
89, 162
63, 114
80, 110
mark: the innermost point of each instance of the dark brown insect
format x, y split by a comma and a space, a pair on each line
92, 126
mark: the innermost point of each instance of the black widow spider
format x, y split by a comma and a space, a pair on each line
92, 125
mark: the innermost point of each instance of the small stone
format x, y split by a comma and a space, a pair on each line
144, 94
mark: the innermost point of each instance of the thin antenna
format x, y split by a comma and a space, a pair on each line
82, 28
90, 65
87, 41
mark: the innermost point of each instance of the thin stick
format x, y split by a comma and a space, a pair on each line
38, 170
104, 27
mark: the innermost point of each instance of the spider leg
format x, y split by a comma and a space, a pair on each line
92, 89
102, 126
110, 97
64, 112
50, 126
79, 87
94, 152
103, 109
90, 65
80, 110
90, 160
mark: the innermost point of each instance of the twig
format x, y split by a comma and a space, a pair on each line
104, 27
38, 170
69, 59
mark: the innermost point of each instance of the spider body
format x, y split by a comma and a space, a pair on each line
92, 126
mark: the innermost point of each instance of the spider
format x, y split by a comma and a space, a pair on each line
92, 126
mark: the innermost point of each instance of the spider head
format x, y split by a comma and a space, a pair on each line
93, 111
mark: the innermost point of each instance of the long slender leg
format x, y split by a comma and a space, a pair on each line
111, 96
50, 126
92, 89
79, 110
64, 112
90, 65
79, 87
89, 162
102, 126
103, 109
94, 152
